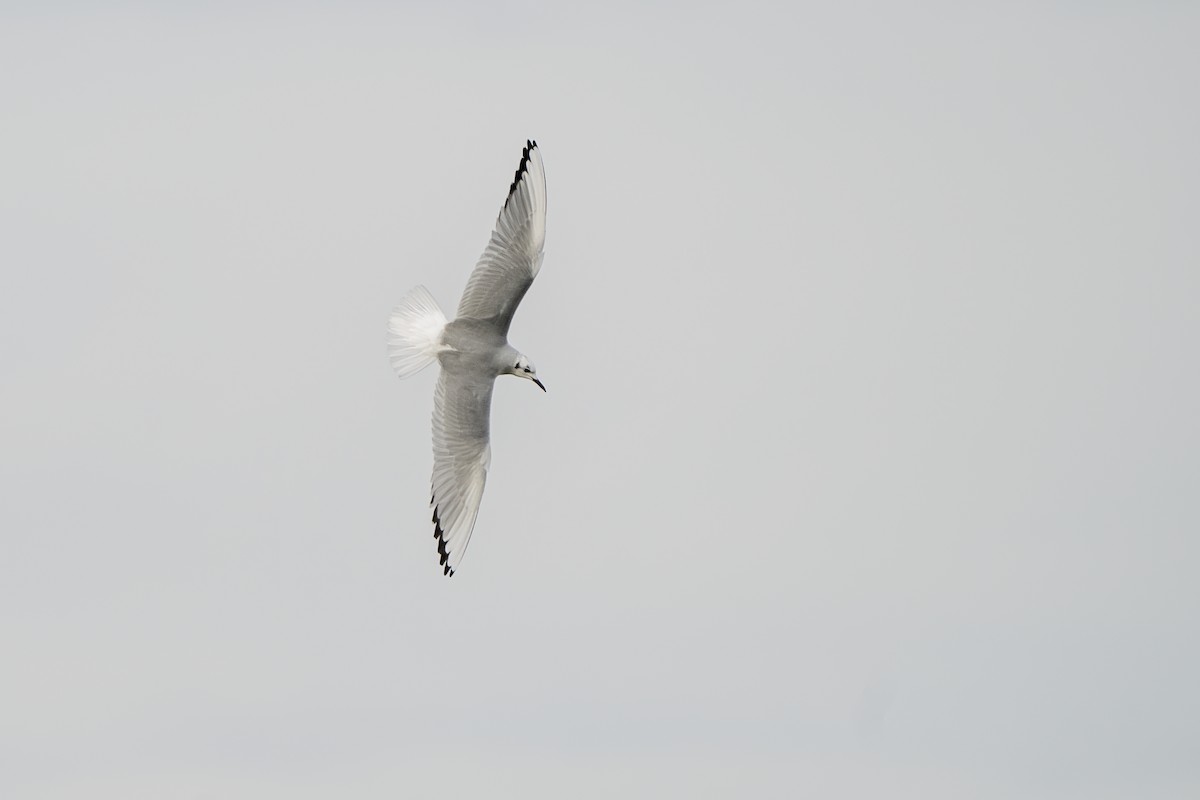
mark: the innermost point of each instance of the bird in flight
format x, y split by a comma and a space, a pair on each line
473, 351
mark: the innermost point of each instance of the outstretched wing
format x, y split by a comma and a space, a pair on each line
514, 255
461, 457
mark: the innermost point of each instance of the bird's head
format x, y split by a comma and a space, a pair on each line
524, 368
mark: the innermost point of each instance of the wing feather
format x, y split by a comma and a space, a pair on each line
513, 256
461, 457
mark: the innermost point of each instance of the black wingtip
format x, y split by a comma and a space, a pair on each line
522, 168
443, 553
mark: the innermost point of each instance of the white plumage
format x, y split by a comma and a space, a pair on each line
473, 351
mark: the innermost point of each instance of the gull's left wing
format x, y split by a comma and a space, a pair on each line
514, 255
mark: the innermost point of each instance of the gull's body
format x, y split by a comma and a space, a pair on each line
473, 351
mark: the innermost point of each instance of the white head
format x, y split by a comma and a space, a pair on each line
524, 368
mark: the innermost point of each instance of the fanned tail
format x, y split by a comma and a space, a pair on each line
415, 332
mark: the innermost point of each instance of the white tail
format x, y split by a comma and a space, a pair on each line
415, 332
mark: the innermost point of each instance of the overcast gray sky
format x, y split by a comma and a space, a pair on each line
870, 461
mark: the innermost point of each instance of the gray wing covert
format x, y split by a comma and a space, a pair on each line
513, 257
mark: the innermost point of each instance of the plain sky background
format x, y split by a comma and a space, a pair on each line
870, 462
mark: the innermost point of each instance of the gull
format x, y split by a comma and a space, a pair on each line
473, 351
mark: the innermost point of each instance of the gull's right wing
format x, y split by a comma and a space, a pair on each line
461, 457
